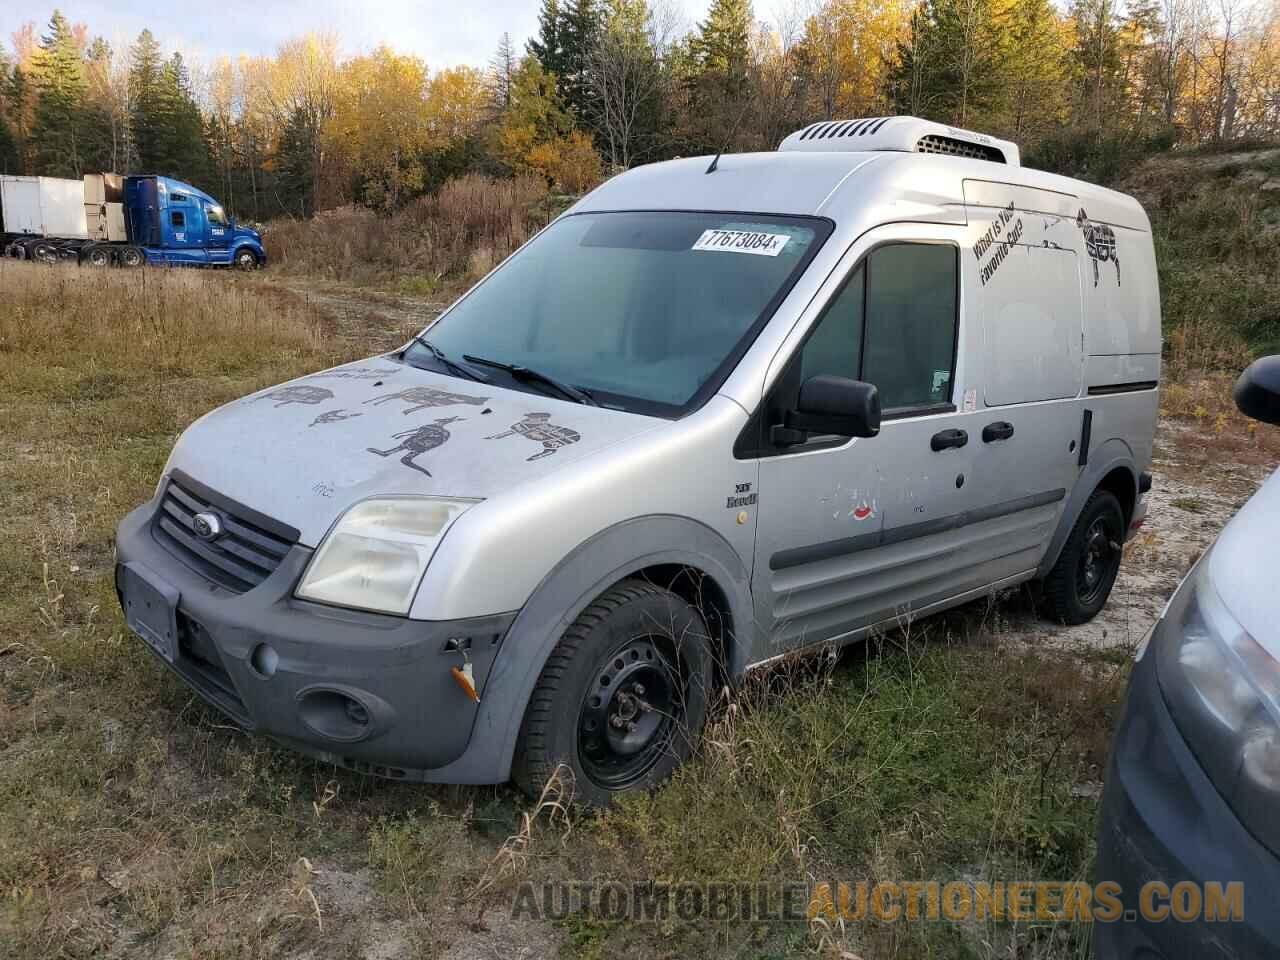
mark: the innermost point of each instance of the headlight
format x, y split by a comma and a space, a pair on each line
1223, 690
376, 554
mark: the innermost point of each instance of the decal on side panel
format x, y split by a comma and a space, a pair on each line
420, 440
422, 397
537, 427
296, 394
1099, 243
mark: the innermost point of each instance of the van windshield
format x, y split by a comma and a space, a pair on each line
647, 311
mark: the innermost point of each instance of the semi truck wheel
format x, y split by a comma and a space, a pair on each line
97, 257
44, 251
246, 259
1078, 585
621, 700
132, 257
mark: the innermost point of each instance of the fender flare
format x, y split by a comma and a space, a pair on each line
1107, 457
586, 572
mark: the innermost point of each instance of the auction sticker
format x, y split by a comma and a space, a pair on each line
742, 241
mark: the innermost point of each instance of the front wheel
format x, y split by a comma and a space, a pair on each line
621, 700
246, 259
1080, 582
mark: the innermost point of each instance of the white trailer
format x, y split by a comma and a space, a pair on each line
44, 207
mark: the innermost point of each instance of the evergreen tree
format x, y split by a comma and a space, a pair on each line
146, 107
186, 152
59, 102
579, 32
722, 45
100, 134
502, 69
9, 157
952, 68
546, 46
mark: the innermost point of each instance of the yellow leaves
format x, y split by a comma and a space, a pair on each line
571, 162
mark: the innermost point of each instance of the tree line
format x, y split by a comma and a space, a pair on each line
607, 84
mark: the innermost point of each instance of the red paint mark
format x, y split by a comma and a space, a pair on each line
862, 512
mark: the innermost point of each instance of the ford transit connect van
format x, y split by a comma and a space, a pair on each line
721, 410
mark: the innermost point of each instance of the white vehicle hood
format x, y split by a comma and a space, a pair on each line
304, 451
1243, 566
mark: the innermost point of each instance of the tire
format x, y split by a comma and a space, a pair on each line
1081, 580
622, 699
132, 257
97, 257
246, 259
43, 251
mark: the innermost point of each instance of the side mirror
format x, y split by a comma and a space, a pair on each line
832, 405
1257, 392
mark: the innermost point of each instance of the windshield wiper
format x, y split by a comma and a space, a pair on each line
527, 375
444, 360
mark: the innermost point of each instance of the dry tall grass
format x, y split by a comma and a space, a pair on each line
458, 233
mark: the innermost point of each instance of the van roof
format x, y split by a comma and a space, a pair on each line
856, 186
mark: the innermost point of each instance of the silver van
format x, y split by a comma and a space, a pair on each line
720, 410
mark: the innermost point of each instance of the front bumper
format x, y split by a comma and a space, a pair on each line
417, 720
1162, 820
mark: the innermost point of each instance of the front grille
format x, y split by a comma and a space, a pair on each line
249, 549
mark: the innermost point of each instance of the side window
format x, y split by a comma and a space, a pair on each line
835, 347
216, 216
910, 339
178, 219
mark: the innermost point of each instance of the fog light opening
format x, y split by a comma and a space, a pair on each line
264, 660
357, 713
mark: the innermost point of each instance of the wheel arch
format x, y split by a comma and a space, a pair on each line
1111, 467
704, 570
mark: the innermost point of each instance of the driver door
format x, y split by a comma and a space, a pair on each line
847, 531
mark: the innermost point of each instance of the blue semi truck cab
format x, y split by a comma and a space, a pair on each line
174, 223
109, 220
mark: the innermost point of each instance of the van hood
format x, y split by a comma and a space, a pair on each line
304, 451
1241, 573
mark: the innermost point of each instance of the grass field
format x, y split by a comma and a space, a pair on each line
136, 822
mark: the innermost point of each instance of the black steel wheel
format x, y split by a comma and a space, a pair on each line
246, 259
132, 257
1081, 580
621, 700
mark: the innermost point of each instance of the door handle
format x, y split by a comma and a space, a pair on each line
948, 438
1000, 430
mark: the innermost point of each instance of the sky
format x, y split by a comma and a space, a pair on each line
442, 32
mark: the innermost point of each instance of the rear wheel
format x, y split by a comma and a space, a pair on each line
1080, 582
98, 257
132, 257
246, 259
621, 700
44, 251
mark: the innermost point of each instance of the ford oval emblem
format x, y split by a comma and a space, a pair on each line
207, 526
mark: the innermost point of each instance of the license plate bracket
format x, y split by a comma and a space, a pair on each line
150, 608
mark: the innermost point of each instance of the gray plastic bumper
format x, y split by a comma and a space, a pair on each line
367, 691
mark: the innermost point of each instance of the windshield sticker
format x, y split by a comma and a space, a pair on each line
1099, 243
537, 427
296, 394
424, 397
420, 440
742, 241
334, 416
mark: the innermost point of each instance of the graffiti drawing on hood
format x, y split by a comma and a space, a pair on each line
296, 394
420, 440
333, 416
537, 427
422, 397
1099, 243
357, 373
